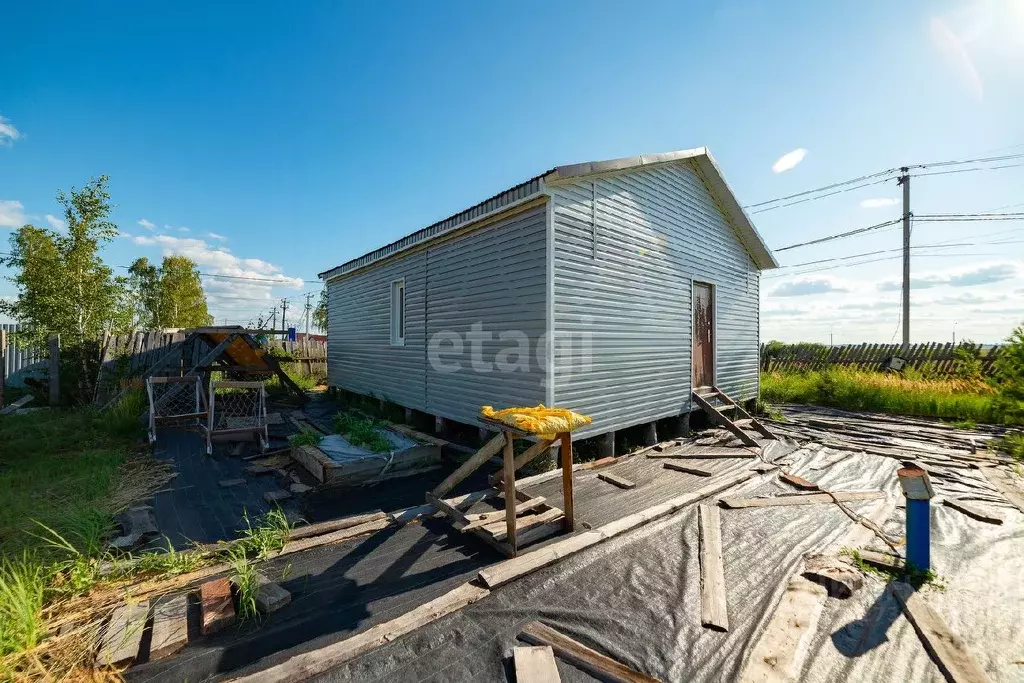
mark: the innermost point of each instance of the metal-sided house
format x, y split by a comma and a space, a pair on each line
614, 288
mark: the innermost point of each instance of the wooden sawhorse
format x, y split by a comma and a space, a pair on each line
525, 518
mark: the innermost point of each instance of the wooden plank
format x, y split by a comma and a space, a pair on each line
689, 469
720, 419
567, 494
24, 400
621, 482
484, 518
524, 523
535, 664
490, 449
334, 525
335, 537
810, 499
120, 643
946, 648
713, 612
170, 627
310, 664
798, 482
582, 656
1003, 481
527, 456
453, 513
784, 644
972, 511
509, 460
508, 570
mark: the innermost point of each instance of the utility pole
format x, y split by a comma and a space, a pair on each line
273, 318
309, 310
904, 180
284, 311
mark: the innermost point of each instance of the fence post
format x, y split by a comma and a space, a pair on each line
55, 370
3, 364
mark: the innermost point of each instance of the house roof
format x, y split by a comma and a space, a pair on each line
706, 166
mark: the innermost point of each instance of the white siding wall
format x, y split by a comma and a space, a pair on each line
360, 357
657, 230
495, 276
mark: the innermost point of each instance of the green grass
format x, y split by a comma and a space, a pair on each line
22, 587
950, 399
306, 437
269, 534
246, 584
361, 431
58, 468
1012, 444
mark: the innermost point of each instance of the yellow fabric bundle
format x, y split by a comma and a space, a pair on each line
544, 422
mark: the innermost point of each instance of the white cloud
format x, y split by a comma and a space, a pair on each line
183, 229
122, 233
808, 286
984, 274
8, 133
55, 223
789, 160
215, 236
225, 293
12, 214
148, 225
878, 202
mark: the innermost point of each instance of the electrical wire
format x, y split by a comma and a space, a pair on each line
962, 162
842, 235
823, 188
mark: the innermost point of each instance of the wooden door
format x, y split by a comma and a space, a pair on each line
703, 335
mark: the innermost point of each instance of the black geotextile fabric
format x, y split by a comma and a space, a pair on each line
336, 591
636, 597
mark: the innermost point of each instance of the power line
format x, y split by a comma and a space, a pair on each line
962, 162
821, 196
842, 235
823, 188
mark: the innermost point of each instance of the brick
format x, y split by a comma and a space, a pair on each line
216, 609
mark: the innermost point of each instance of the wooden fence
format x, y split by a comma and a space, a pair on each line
935, 357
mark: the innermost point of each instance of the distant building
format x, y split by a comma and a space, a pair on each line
642, 273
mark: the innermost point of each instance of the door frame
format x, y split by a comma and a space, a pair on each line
712, 287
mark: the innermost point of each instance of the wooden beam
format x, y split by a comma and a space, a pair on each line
535, 664
484, 518
510, 491
316, 662
567, 501
527, 456
946, 648
508, 570
809, 499
582, 656
713, 612
689, 469
972, 511
476, 460
331, 525
621, 482
453, 513
334, 537
529, 522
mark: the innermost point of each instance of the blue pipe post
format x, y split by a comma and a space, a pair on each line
917, 488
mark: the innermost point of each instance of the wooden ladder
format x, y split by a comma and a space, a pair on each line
741, 421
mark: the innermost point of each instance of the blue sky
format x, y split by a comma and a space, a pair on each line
277, 141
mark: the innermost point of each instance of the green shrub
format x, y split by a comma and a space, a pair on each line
306, 437
1010, 377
